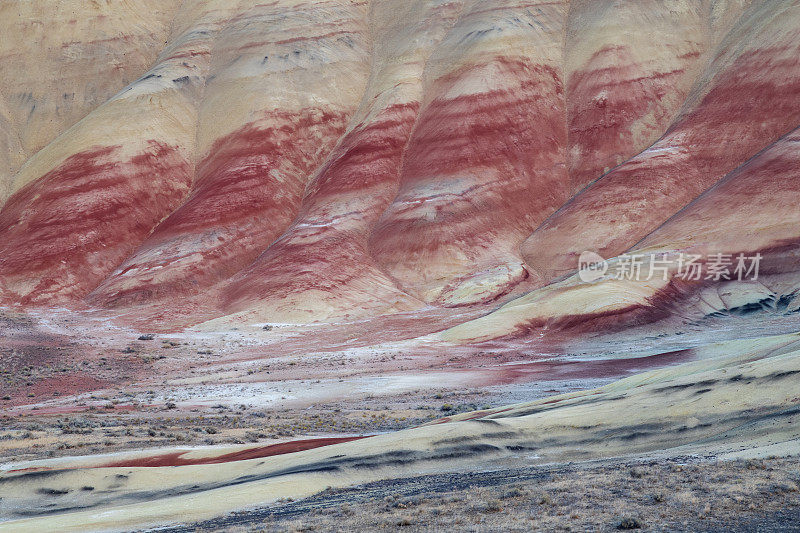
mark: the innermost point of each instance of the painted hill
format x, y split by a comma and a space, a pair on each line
295, 162
246, 247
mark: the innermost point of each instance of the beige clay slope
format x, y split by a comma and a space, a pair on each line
60, 60
744, 100
749, 213
738, 396
319, 266
394, 156
284, 82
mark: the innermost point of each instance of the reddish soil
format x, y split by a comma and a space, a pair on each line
176, 459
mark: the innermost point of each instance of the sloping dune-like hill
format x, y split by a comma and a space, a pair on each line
311, 201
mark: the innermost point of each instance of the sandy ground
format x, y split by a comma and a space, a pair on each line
677, 494
76, 385
116, 429
31, 436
